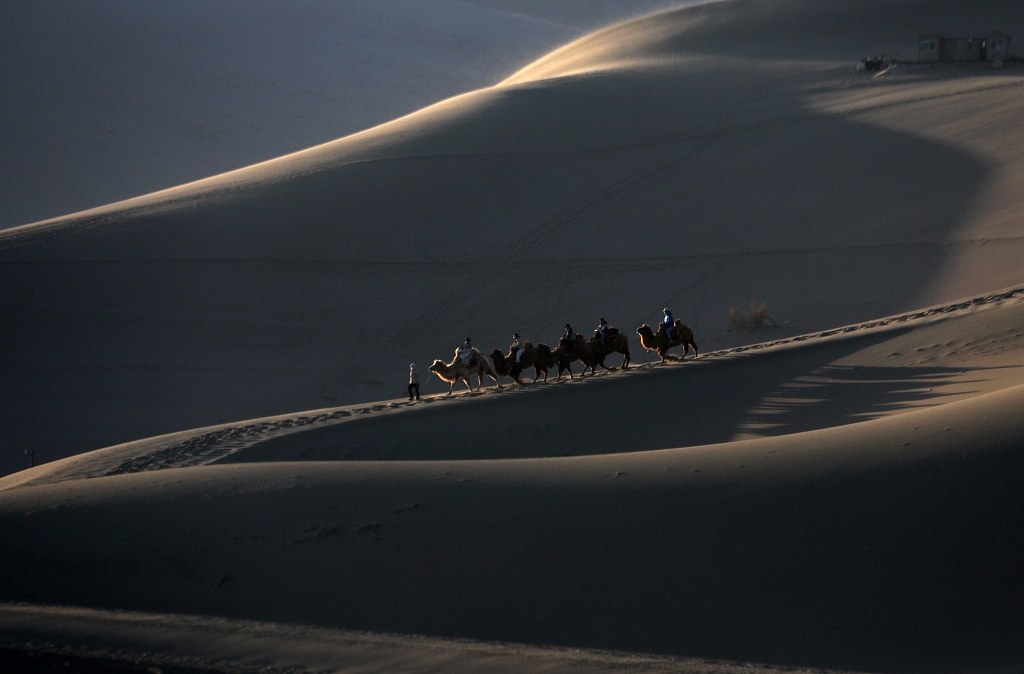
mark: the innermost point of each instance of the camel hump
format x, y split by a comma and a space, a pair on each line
612, 331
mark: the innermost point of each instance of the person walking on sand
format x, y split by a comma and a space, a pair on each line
414, 382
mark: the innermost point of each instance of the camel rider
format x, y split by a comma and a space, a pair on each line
569, 336
466, 352
517, 348
668, 322
602, 330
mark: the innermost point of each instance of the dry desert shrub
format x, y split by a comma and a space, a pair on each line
759, 318
737, 321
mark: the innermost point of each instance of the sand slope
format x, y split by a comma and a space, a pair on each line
842, 491
104, 101
889, 545
693, 180
104, 639
879, 368
881, 545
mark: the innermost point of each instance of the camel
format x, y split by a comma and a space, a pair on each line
503, 366
594, 352
540, 359
568, 353
683, 336
454, 371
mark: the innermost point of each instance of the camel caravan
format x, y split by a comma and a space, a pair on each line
572, 347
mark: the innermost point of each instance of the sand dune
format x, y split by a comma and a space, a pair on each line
697, 182
841, 491
201, 645
884, 545
105, 101
879, 368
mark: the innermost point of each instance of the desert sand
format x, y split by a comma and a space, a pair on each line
105, 100
234, 479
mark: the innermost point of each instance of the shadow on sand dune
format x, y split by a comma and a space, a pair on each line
36, 661
892, 546
842, 394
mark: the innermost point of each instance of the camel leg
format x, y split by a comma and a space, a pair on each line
452, 387
625, 360
694, 345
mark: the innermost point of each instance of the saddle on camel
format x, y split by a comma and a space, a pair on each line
594, 350
681, 336
540, 358
457, 369
567, 353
